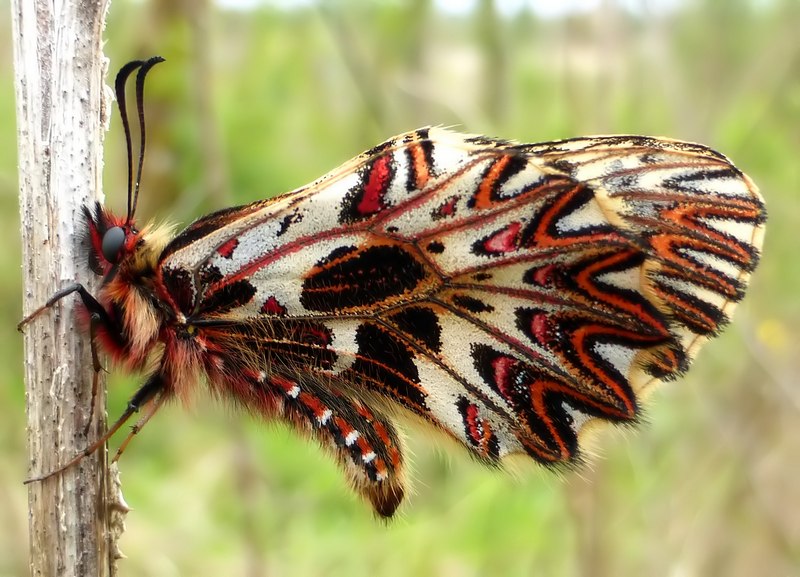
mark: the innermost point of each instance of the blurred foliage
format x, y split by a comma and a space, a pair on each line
252, 103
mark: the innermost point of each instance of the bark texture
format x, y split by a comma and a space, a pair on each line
62, 109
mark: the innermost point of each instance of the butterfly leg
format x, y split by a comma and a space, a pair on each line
151, 409
98, 317
154, 385
94, 322
91, 303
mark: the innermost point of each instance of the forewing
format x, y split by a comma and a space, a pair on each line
505, 293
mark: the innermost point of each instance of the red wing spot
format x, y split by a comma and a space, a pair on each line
503, 367
288, 387
344, 427
227, 248
381, 472
473, 422
478, 430
383, 434
539, 328
313, 403
318, 335
447, 208
364, 447
271, 306
323, 415
364, 412
372, 200
504, 240
543, 276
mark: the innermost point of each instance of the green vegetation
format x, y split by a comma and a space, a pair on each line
250, 104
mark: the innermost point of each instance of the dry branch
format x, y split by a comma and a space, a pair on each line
61, 114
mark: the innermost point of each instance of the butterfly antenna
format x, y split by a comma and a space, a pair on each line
140, 76
119, 89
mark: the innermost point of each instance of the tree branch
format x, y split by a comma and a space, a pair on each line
62, 110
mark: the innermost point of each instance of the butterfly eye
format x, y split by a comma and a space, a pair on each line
113, 240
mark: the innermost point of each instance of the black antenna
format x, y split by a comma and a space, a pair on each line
119, 88
143, 70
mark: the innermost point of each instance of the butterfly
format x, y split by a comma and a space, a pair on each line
507, 295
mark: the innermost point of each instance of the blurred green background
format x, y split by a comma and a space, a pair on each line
257, 98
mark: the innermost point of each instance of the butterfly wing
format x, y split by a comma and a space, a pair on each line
506, 294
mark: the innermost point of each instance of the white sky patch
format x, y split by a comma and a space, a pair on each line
550, 9
456, 7
247, 5
547, 9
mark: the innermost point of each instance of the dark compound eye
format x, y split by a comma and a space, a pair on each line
113, 240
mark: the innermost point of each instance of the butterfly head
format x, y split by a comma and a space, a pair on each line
110, 240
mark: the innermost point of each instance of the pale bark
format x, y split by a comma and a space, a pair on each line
62, 107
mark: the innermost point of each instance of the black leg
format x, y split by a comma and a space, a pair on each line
151, 408
91, 303
99, 317
154, 385
94, 322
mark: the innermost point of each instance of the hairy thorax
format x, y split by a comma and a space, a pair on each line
132, 298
